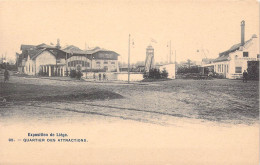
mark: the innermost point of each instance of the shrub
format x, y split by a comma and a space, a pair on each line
76, 74
41, 73
193, 69
155, 74
217, 75
164, 73
79, 74
73, 73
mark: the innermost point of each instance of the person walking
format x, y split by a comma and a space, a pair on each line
104, 76
99, 76
245, 76
6, 75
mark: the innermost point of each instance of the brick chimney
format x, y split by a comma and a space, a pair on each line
242, 33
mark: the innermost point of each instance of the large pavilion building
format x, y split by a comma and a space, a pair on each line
50, 60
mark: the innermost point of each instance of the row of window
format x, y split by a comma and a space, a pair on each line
29, 68
222, 68
104, 62
107, 56
78, 62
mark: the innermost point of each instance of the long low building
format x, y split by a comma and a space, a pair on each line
49, 60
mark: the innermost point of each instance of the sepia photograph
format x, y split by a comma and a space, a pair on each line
129, 82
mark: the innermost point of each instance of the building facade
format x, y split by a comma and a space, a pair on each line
48, 60
232, 63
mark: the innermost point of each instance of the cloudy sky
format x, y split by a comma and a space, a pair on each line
190, 25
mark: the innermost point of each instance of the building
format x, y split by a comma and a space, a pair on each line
49, 60
170, 68
232, 62
102, 59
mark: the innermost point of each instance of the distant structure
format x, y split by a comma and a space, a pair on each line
232, 62
149, 60
170, 68
50, 60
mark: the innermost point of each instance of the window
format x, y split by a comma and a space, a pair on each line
86, 64
98, 62
29, 68
245, 54
227, 68
105, 62
222, 68
238, 69
258, 56
112, 62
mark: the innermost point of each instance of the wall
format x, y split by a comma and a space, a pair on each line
78, 58
109, 65
29, 67
170, 68
45, 58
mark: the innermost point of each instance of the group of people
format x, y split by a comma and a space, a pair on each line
100, 76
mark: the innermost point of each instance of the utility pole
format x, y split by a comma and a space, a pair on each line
129, 59
175, 58
170, 52
66, 72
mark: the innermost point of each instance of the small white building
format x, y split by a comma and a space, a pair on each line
170, 68
234, 61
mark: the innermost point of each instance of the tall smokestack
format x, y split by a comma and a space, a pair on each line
242, 33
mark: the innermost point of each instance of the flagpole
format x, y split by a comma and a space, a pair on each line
175, 57
170, 52
129, 59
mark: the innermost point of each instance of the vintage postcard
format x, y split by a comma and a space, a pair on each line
136, 82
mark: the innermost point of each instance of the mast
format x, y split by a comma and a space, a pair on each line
129, 58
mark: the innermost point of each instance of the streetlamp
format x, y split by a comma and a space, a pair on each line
129, 59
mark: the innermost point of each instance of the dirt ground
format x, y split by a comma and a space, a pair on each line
219, 100
198, 122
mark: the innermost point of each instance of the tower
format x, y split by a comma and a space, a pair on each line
149, 60
58, 44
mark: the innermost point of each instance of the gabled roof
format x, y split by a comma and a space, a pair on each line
221, 58
26, 47
43, 45
34, 53
98, 49
233, 48
73, 50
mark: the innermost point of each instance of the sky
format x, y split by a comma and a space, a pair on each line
190, 26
